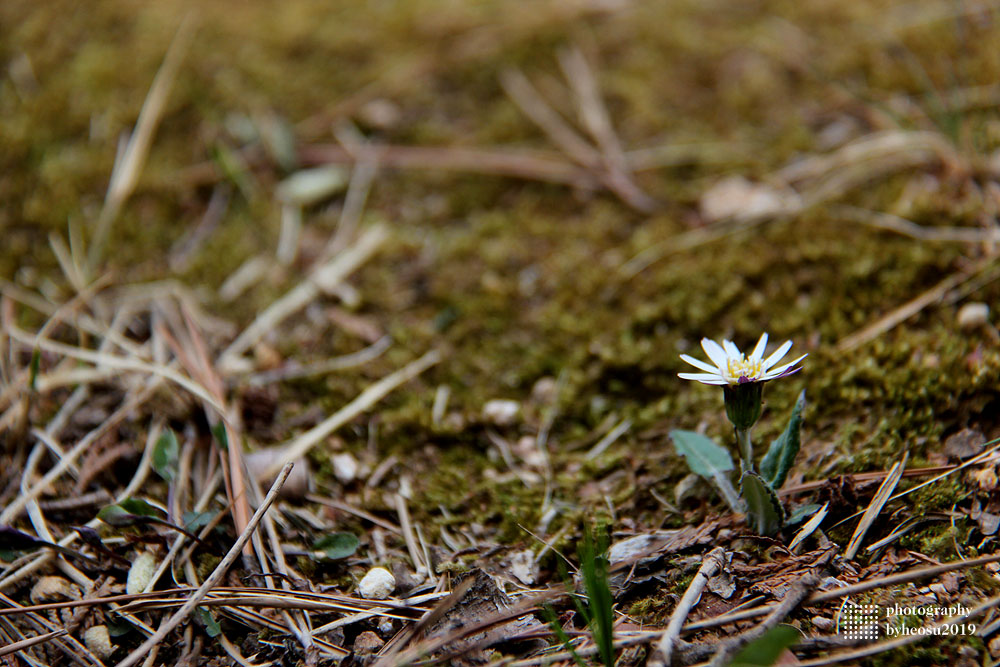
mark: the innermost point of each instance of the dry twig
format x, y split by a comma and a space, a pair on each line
210, 582
663, 653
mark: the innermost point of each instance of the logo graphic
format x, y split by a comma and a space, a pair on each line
858, 621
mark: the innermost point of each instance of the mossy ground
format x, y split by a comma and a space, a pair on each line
519, 281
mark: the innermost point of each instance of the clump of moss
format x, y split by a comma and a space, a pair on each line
653, 610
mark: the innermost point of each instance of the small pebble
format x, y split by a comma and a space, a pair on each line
345, 467
501, 412
141, 573
823, 623
973, 315
378, 584
98, 641
544, 391
380, 113
367, 643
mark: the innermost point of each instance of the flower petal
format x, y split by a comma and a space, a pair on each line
784, 373
778, 354
698, 363
704, 378
758, 352
731, 350
777, 372
714, 352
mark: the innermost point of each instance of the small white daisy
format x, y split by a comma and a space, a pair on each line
732, 367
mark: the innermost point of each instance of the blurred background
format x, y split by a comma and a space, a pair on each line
575, 192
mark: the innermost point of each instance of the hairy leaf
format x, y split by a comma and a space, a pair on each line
764, 512
781, 454
703, 455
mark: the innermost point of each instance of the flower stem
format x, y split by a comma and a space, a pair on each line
746, 449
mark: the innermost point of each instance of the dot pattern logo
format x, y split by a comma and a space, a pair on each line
858, 621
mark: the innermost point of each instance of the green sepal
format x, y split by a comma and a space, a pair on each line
764, 511
781, 454
743, 403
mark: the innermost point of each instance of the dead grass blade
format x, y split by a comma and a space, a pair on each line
28, 643
810, 527
431, 645
523, 93
212, 580
113, 361
301, 445
846, 591
894, 223
324, 278
597, 121
909, 309
879, 500
125, 173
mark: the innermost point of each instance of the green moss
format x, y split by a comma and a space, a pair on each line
517, 280
940, 496
653, 610
937, 541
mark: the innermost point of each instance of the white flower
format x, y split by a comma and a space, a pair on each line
731, 367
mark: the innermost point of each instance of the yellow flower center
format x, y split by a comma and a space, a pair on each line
742, 367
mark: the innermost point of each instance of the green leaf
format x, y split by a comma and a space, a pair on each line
115, 515
128, 512
600, 602
781, 454
36, 360
166, 454
195, 521
204, 616
219, 431
338, 545
764, 512
118, 628
703, 455
765, 651
140, 507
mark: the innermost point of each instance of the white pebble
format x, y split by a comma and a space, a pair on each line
345, 467
823, 623
378, 584
98, 640
973, 315
141, 573
501, 412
